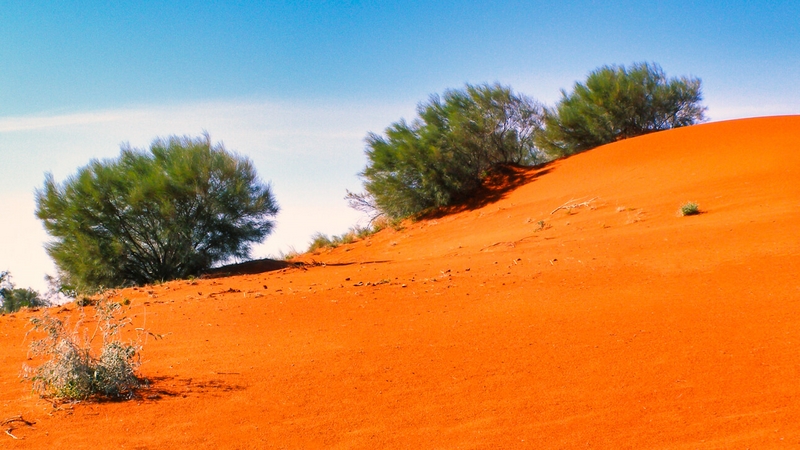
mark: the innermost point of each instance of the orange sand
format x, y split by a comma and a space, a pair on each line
617, 325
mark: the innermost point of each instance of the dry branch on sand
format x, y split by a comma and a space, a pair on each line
12, 420
572, 204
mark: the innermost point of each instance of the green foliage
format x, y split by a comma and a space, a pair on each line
690, 209
71, 371
322, 240
443, 156
287, 255
617, 103
151, 216
13, 298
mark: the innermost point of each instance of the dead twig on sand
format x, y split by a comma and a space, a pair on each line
15, 419
571, 204
506, 243
8, 432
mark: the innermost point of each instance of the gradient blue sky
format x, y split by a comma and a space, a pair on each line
297, 85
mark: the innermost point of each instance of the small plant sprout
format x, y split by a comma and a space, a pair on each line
690, 209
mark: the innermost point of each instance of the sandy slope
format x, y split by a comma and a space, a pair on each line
616, 324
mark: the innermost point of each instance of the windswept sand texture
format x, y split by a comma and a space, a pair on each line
616, 324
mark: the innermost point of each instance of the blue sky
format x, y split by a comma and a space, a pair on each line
297, 85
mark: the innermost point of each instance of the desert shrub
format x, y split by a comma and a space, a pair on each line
72, 371
322, 240
287, 255
318, 241
345, 238
444, 155
156, 215
363, 232
690, 209
381, 223
616, 103
13, 298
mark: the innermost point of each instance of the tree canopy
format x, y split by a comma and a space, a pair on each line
170, 212
13, 298
616, 103
444, 154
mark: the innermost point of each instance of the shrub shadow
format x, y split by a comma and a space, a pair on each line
270, 265
249, 268
496, 186
165, 386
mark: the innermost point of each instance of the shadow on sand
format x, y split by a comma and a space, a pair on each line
270, 265
501, 181
165, 386
250, 268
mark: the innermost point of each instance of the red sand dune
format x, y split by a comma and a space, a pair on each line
617, 324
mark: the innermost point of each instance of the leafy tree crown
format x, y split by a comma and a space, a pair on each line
616, 103
444, 154
13, 298
166, 213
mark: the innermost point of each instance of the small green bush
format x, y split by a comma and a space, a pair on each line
322, 240
13, 298
690, 209
71, 371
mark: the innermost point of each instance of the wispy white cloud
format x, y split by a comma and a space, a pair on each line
27, 123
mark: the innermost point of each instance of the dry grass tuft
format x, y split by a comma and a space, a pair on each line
72, 371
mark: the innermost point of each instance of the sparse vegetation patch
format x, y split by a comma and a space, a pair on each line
322, 240
72, 370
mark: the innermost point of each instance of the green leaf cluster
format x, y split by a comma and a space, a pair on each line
13, 298
166, 213
444, 155
617, 103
